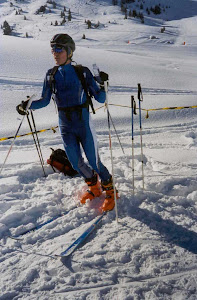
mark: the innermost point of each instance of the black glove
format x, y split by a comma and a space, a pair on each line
104, 77
21, 108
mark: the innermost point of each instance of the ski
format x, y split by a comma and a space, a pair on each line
81, 238
38, 226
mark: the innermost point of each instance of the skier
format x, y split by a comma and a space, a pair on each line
72, 92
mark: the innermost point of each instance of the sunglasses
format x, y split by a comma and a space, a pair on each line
57, 49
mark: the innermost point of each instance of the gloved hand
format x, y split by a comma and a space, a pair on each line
104, 77
21, 108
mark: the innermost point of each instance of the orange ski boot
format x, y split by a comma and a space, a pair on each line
109, 202
94, 190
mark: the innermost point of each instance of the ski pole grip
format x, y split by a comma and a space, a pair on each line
140, 92
132, 102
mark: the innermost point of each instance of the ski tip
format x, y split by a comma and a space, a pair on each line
60, 256
15, 238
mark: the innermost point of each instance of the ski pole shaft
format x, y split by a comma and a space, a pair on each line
110, 146
116, 133
132, 127
36, 144
13, 141
12, 144
140, 98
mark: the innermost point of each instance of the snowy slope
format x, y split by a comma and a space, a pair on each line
151, 252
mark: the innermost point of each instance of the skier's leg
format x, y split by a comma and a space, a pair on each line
72, 148
88, 140
89, 143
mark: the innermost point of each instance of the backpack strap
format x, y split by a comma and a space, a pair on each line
79, 69
51, 79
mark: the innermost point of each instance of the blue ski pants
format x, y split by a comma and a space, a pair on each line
78, 133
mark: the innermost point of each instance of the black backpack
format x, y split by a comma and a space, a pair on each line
59, 160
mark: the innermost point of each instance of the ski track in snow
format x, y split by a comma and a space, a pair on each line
152, 252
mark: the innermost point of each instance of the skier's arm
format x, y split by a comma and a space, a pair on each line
45, 98
95, 90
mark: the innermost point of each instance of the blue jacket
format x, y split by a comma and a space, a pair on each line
69, 89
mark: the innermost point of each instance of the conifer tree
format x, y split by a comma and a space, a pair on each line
69, 15
125, 14
89, 23
6, 28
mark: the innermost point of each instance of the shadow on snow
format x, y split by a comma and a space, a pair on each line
171, 232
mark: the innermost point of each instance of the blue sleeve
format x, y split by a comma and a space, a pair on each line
46, 95
94, 89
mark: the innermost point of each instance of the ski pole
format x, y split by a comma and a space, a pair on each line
110, 145
13, 141
140, 98
35, 130
133, 112
35, 144
96, 72
116, 133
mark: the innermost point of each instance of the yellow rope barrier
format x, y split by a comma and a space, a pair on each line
156, 109
147, 110
29, 133
43, 130
151, 109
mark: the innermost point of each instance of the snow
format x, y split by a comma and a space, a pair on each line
151, 253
